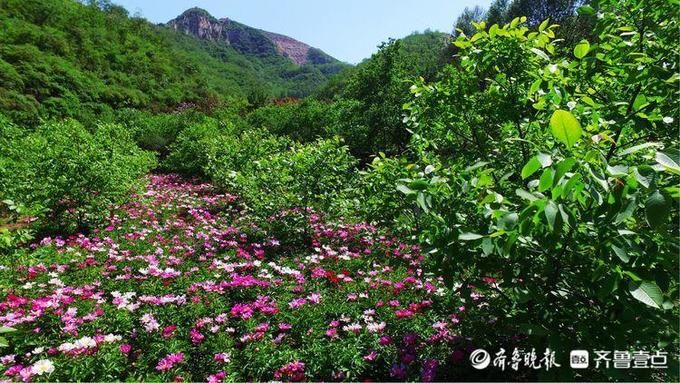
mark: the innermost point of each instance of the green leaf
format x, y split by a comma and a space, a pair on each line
563, 167
551, 213
581, 49
535, 86
644, 175
657, 208
667, 162
525, 195
422, 203
469, 236
565, 127
418, 185
4, 329
546, 180
405, 189
508, 221
586, 10
646, 292
544, 159
621, 253
543, 25
540, 53
639, 102
531, 167
637, 148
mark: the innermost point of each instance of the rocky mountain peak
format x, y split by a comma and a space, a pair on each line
201, 24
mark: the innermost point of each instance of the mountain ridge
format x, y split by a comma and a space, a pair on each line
245, 39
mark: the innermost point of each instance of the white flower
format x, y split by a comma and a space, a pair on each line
571, 105
85, 342
376, 327
37, 350
110, 338
66, 347
552, 68
668, 120
354, 327
42, 366
429, 169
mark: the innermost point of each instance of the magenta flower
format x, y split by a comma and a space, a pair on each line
169, 361
196, 336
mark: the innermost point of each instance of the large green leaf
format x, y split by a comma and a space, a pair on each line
657, 208
546, 180
667, 162
565, 127
531, 167
551, 213
621, 253
581, 49
646, 292
469, 236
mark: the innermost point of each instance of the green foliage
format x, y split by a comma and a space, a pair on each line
372, 94
63, 58
189, 153
310, 175
516, 193
74, 176
303, 121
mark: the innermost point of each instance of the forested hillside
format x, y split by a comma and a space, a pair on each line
499, 203
62, 58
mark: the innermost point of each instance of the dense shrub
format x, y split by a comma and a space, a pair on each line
228, 154
371, 197
302, 121
309, 175
72, 174
540, 176
157, 131
188, 155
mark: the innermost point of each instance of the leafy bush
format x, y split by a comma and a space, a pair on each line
309, 175
371, 197
302, 121
188, 155
543, 188
73, 174
228, 154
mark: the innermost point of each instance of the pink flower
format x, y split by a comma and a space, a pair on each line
168, 331
125, 348
168, 362
196, 336
376, 327
332, 332
296, 303
216, 378
404, 313
371, 356
223, 357
294, 372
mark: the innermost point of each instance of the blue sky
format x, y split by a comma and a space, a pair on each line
349, 30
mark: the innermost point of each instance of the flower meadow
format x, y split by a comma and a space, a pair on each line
180, 285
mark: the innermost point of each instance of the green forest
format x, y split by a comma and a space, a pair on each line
472, 205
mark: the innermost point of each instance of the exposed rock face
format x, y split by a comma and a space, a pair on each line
289, 47
198, 22
201, 24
